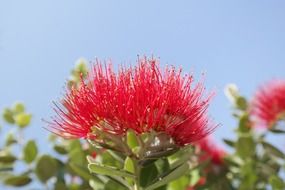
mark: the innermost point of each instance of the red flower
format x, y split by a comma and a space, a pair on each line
143, 98
268, 105
211, 151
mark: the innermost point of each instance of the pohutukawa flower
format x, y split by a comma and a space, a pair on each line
210, 151
268, 105
143, 98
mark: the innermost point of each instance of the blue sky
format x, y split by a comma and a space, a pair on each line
232, 41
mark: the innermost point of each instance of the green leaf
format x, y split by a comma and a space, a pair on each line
122, 181
18, 108
95, 185
8, 116
148, 174
59, 185
162, 165
180, 183
6, 169
276, 182
77, 156
273, 150
46, 168
10, 139
194, 177
23, 119
76, 153
277, 131
111, 185
241, 103
30, 151
60, 149
109, 171
111, 159
229, 142
7, 159
83, 172
132, 139
129, 165
244, 124
17, 181
169, 176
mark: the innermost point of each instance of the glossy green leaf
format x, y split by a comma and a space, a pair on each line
23, 119
17, 181
169, 176
30, 151
109, 171
46, 167
129, 166
148, 174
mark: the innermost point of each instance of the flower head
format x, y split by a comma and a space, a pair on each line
143, 98
268, 105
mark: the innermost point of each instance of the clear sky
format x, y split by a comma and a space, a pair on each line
231, 41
